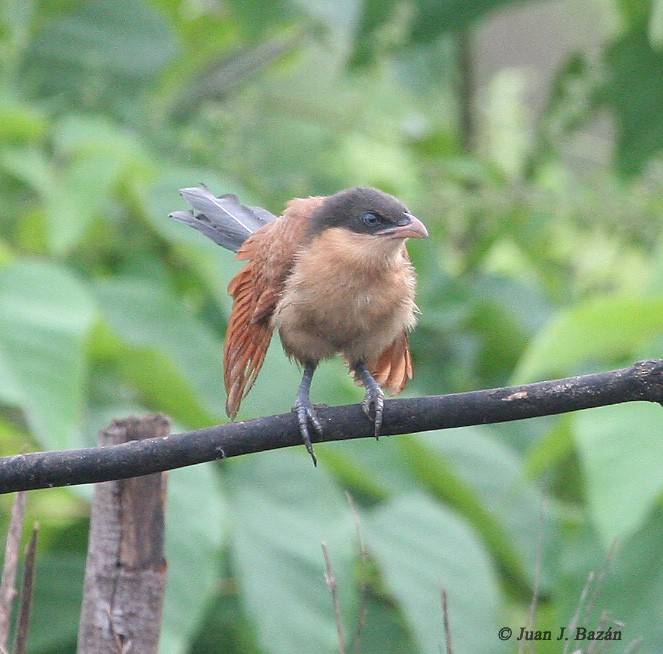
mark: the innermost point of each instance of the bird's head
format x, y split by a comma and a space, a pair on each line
370, 212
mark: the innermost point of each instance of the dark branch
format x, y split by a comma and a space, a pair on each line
642, 381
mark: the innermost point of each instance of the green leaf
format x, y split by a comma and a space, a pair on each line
97, 155
634, 68
634, 12
256, 17
194, 536
421, 547
435, 17
552, 448
77, 135
45, 315
57, 602
428, 20
482, 478
283, 510
375, 16
70, 194
363, 467
126, 39
507, 127
21, 122
92, 156
634, 586
656, 25
384, 631
174, 350
631, 593
32, 167
226, 629
600, 328
339, 17
622, 454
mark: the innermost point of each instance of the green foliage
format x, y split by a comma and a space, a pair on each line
534, 269
96, 52
197, 501
45, 314
277, 554
422, 21
420, 547
60, 576
635, 69
618, 326
623, 480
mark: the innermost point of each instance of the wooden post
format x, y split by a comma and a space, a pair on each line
125, 577
8, 584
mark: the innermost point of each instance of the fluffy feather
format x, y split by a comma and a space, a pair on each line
224, 219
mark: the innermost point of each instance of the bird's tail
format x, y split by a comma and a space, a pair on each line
224, 219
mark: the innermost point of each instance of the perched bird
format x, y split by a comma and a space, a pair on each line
331, 275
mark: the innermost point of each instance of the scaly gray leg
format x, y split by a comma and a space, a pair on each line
305, 410
374, 397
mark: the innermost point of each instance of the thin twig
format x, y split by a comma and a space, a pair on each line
588, 598
26, 593
363, 572
575, 620
603, 621
600, 578
8, 583
634, 645
446, 621
330, 578
536, 591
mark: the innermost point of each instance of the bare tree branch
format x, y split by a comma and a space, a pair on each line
642, 381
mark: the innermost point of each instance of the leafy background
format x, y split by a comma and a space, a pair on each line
543, 194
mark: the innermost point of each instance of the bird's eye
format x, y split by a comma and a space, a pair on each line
370, 219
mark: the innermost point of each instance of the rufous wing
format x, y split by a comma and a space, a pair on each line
256, 290
247, 339
393, 369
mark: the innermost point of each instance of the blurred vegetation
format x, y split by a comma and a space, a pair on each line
538, 265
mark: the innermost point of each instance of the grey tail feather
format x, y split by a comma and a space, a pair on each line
224, 219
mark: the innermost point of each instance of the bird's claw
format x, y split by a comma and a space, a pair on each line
374, 399
306, 414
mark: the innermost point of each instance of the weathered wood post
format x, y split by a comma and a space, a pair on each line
125, 577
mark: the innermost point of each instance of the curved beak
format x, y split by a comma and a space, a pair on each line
414, 228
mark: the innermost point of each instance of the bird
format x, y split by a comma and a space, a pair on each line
331, 275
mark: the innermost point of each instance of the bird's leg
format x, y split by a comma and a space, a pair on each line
305, 411
374, 396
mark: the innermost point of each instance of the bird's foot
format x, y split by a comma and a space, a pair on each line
373, 406
306, 416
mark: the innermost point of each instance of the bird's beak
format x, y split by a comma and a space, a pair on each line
414, 228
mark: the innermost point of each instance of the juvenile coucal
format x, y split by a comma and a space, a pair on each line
332, 275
